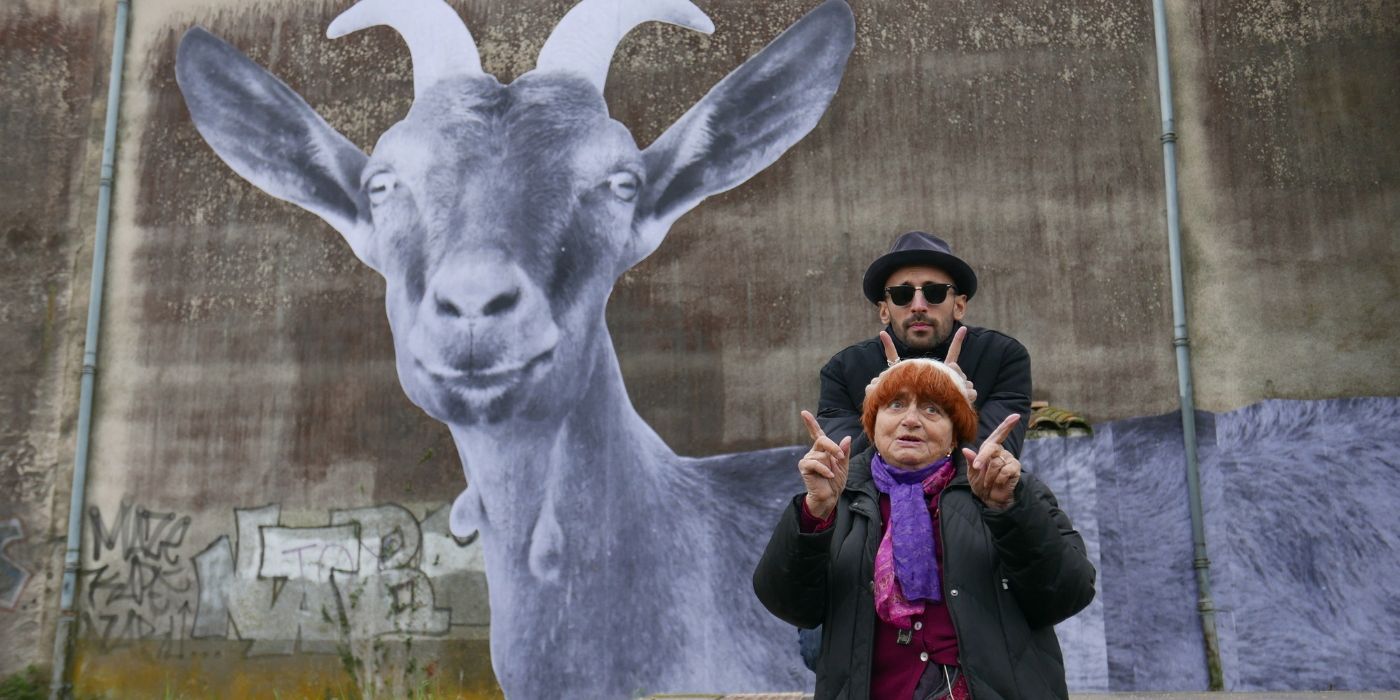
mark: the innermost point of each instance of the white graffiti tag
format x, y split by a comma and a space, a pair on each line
308, 589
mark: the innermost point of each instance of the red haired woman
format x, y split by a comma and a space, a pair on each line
936, 572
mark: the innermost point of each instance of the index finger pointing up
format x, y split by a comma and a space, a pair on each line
998, 436
891, 355
955, 347
813, 428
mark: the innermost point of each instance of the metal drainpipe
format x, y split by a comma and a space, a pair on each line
58, 687
1182, 342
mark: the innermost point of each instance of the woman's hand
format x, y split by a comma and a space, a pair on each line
992, 471
823, 469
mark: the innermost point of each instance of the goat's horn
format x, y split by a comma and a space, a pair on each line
585, 39
438, 41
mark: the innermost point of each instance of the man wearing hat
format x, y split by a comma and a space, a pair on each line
922, 291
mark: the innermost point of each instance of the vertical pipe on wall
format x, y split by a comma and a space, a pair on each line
1182, 342
67, 617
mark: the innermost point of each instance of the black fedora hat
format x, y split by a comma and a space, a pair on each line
918, 248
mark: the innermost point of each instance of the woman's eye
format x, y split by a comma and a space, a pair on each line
931, 410
896, 404
624, 185
380, 186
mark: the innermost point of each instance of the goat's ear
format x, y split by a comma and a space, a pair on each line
270, 136
746, 121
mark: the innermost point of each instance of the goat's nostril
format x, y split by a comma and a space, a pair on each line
447, 308
502, 303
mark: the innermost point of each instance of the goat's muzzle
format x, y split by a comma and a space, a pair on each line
481, 329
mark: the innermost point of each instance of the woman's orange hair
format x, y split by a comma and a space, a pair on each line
923, 380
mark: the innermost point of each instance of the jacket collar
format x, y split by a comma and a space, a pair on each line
938, 352
858, 476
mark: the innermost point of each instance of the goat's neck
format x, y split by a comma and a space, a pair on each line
597, 448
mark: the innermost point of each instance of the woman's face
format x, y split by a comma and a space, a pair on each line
912, 434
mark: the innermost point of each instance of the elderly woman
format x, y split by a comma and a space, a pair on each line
936, 572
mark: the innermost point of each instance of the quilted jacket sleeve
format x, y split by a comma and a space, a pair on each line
791, 576
1043, 555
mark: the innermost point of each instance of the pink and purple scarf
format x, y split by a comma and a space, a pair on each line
906, 565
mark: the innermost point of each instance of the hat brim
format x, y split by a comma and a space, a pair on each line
879, 271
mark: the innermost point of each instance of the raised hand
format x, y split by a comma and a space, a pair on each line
823, 468
992, 471
954, 351
891, 355
891, 358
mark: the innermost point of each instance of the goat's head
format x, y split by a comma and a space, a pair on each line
500, 216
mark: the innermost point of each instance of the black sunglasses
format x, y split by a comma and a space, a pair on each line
902, 294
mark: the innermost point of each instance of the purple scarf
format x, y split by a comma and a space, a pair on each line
910, 529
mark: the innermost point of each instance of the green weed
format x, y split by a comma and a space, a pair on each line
29, 684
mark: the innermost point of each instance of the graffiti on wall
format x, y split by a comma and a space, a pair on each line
13, 577
371, 572
374, 572
136, 581
478, 209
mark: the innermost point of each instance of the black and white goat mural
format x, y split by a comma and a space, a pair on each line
500, 217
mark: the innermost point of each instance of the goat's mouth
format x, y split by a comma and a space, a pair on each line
479, 385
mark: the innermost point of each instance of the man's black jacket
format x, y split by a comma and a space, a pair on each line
998, 365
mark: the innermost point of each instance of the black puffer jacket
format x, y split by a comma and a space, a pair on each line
998, 365
1008, 577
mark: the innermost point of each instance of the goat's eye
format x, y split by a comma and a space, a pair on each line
624, 185
380, 186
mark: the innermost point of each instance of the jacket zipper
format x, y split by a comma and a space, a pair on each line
948, 599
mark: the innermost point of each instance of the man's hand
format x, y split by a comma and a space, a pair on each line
992, 471
823, 469
891, 359
954, 350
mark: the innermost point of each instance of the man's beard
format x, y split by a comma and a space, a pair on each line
938, 333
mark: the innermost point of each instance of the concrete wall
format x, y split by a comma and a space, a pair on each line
53, 62
1289, 196
246, 361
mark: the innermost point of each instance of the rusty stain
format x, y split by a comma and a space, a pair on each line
219, 669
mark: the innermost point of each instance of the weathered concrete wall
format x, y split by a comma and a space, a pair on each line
1024, 132
247, 362
1290, 193
53, 68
